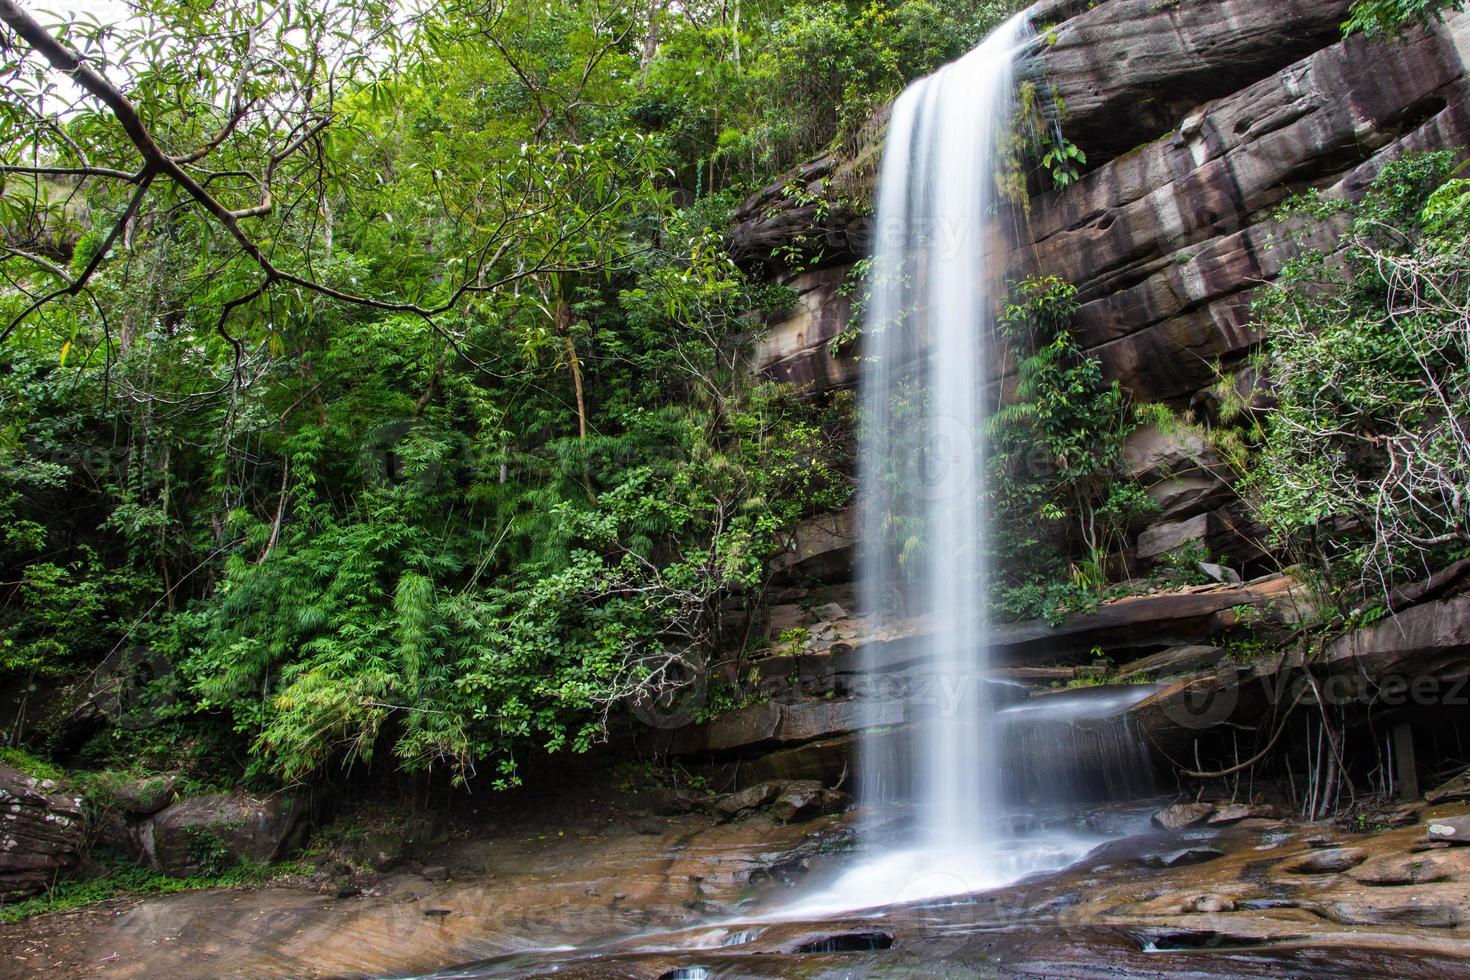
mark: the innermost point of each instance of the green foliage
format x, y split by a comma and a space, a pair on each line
484, 604
61, 589
749, 95
294, 534
1055, 450
1181, 566
29, 764
120, 877
1364, 463
1393, 18
102, 787
794, 636
1061, 160
854, 286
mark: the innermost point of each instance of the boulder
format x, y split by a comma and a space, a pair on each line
1182, 815
790, 801
1229, 813
1405, 815
1395, 869
141, 796
207, 834
820, 548
1212, 903
1450, 580
1328, 861
1453, 830
1369, 911
806, 801
1161, 540
1230, 531
1182, 474
825, 760
769, 724
1451, 791
754, 725
748, 799
1419, 655
1186, 616
808, 720
1173, 661
425, 831
1220, 573
1428, 640
830, 612
381, 850
1184, 856
42, 833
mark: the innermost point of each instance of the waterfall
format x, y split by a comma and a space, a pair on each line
926, 344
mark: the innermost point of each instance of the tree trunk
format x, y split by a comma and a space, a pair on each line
564, 327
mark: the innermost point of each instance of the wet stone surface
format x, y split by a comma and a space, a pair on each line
698, 895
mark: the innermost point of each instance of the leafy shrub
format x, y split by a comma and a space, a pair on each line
1392, 18
1056, 451
1366, 460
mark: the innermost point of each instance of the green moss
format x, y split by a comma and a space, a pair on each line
124, 878
31, 765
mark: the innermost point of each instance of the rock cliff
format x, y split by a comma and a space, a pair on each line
41, 833
1228, 107
1199, 119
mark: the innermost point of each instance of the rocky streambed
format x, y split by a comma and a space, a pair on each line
1214, 889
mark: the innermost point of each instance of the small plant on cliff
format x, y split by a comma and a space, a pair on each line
1062, 160
1034, 144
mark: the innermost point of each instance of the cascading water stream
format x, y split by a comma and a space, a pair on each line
924, 526
926, 345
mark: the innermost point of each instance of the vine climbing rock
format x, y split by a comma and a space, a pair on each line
41, 833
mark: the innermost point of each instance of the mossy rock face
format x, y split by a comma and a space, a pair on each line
140, 796
381, 850
209, 834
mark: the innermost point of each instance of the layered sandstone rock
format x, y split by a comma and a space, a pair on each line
1127, 70
1231, 107
41, 833
1166, 244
